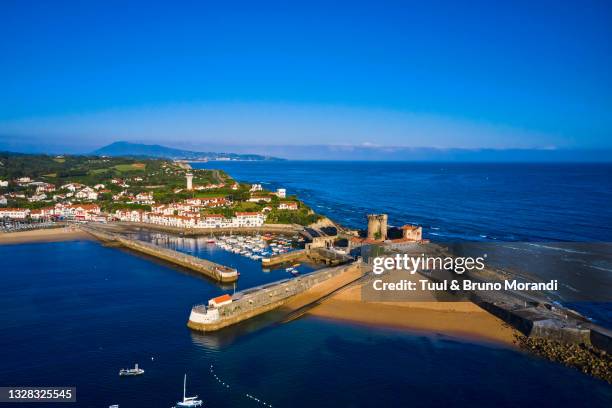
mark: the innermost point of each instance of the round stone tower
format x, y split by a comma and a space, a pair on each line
377, 226
189, 181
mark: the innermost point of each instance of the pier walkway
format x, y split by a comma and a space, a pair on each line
295, 293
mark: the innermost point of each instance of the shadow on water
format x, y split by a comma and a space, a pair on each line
239, 332
178, 268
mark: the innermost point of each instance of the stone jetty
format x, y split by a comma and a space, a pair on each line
210, 269
256, 301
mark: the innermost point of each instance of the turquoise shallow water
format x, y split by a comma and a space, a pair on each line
73, 313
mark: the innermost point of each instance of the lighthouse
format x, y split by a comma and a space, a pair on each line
189, 181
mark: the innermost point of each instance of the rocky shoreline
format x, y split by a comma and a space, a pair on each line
585, 358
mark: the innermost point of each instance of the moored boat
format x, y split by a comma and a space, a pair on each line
188, 401
128, 372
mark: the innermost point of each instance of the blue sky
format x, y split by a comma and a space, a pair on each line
75, 75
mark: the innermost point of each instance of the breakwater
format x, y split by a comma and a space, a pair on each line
581, 356
210, 269
255, 301
546, 321
320, 255
284, 258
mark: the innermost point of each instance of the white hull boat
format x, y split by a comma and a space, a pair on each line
188, 401
129, 372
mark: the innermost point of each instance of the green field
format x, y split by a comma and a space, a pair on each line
98, 171
124, 168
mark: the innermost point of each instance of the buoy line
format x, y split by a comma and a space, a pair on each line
227, 386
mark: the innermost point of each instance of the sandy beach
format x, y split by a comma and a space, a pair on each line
424, 314
322, 289
43, 235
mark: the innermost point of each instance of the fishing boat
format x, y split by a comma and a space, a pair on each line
188, 401
127, 372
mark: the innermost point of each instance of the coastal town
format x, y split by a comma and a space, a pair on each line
170, 195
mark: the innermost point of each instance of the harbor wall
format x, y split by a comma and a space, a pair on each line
322, 255
256, 301
212, 270
282, 258
539, 322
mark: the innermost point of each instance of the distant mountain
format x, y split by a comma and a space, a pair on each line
128, 149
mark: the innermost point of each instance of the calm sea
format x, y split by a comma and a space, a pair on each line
452, 201
491, 203
74, 313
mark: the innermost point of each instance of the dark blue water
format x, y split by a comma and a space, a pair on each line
485, 202
465, 201
73, 313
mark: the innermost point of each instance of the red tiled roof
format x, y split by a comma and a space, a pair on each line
85, 206
222, 298
409, 227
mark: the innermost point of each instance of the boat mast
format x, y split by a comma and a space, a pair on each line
184, 386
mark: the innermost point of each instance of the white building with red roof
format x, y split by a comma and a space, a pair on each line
220, 301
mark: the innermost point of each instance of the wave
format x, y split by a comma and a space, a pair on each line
571, 251
599, 267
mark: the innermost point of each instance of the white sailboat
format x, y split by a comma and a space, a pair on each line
188, 401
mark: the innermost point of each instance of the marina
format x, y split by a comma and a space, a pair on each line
243, 252
255, 247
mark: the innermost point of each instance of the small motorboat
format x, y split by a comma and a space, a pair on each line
188, 401
128, 372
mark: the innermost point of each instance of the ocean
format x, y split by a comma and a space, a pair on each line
74, 313
560, 213
452, 201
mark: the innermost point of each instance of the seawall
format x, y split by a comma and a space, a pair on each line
210, 269
557, 324
284, 258
320, 255
259, 300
